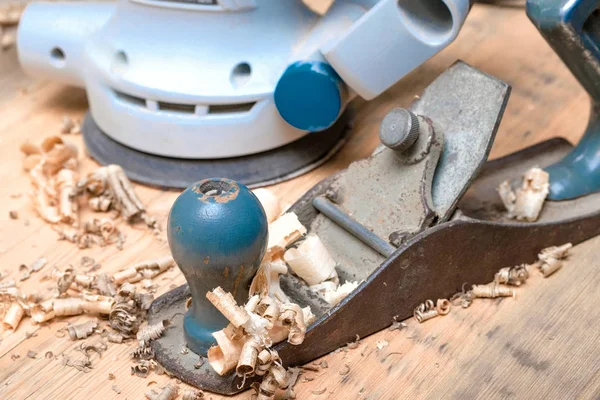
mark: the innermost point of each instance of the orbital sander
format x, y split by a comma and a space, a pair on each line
255, 90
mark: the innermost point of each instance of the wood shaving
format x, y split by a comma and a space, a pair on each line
332, 292
345, 370
266, 281
15, 356
141, 371
425, 311
82, 331
310, 260
550, 259
192, 394
284, 231
270, 203
128, 310
13, 316
248, 356
318, 392
151, 332
115, 337
144, 270
116, 389
143, 353
13, 214
397, 325
443, 306
69, 126
526, 202
169, 392
105, 285
227, 305
111, 181
111, 377
8, 284
31, 354
49, 355
512, 275
381, 344
492, 290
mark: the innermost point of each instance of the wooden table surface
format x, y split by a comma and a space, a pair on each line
545, 344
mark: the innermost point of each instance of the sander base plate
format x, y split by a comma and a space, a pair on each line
266, 168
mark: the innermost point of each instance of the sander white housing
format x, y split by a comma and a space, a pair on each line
200, 82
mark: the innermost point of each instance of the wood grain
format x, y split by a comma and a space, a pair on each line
543, 344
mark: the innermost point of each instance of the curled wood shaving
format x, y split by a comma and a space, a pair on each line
143, 353
31, 354
116, 389
13, 316
268, 386
310, 260
354, 345
192, 394
227, 305
115, 337
111, 181
82, 331
169, 392
492, 290
292, 378
526, 202
128, 310
100, 203
249, 355
550, 259
140, 370
105, 285
443, 306
292, 316
151, 332
69, 126
345, 370
397, 325
284, 231
381, 344
425, 311
332, 292
270, 203
266, 281
49, 355
512, 275
8, 284
144, 270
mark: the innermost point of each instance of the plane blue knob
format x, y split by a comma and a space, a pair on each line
310, 95
218, 233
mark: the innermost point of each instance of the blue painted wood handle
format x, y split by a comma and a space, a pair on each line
218, 235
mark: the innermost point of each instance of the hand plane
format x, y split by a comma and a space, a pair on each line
416, 220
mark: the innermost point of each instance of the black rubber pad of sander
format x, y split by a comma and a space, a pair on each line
254, 170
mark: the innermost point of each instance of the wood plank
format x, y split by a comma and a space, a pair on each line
544, 344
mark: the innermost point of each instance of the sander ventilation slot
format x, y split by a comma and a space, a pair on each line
179, 108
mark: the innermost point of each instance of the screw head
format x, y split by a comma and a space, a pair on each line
399, 129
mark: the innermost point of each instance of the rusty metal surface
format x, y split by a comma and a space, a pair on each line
469, 114
434, 264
